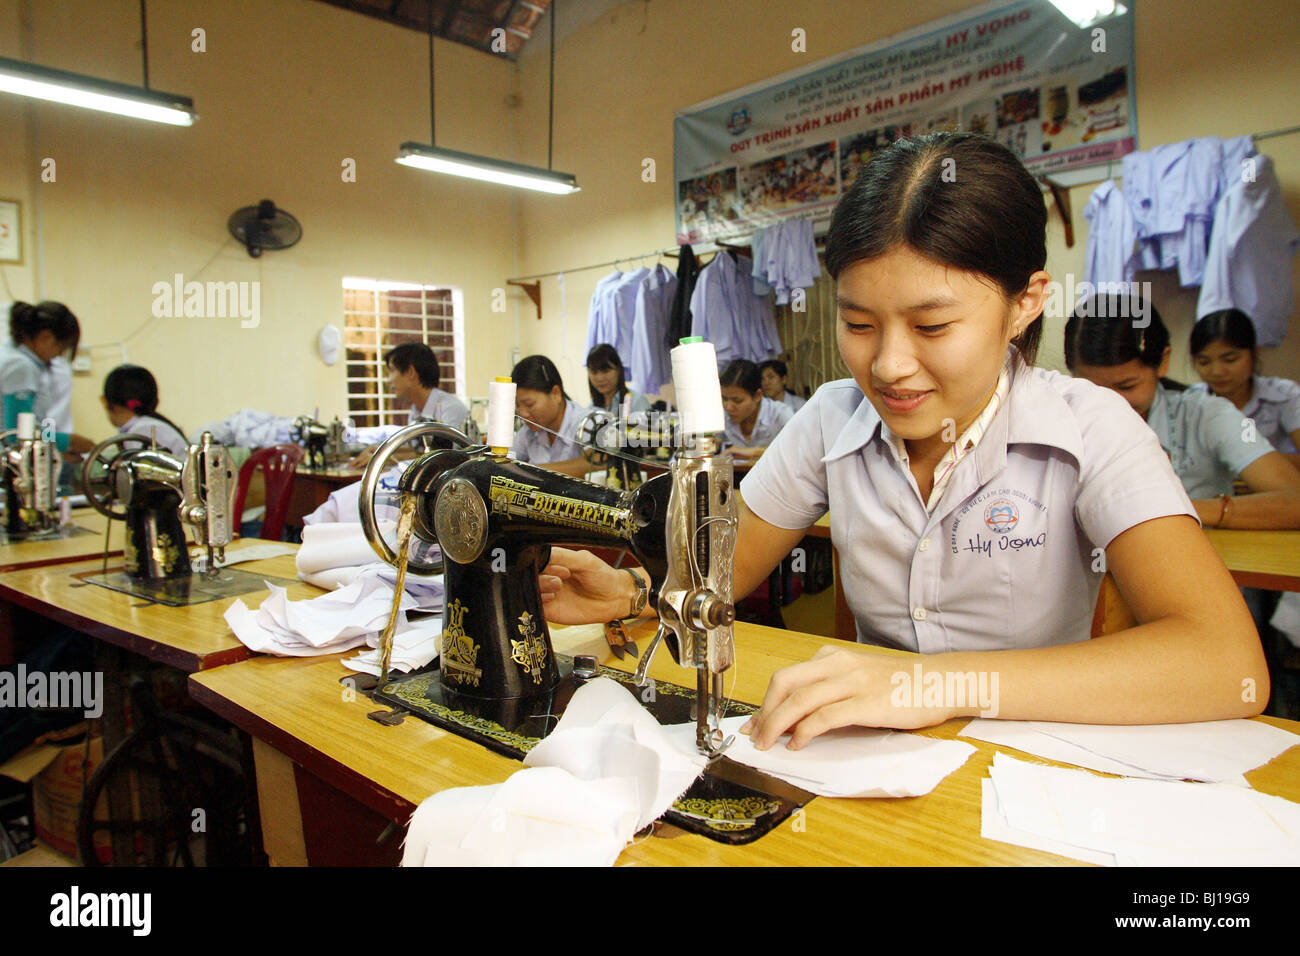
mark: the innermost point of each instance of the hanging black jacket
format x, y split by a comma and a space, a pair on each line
679, 319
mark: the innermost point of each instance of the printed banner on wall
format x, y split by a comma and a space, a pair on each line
1061, 97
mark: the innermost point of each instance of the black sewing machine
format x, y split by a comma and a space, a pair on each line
498, 679
157, 494
324, 444
622, 446
30, 474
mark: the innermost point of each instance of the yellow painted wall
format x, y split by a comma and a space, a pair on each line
1204, 67
285, 91
288, 88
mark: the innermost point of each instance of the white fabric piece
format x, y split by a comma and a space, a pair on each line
607, 770
582, 743
542, 816
994, 826
336, 544
1211, 751
851, 761
333, 622
413, 648
1147, 822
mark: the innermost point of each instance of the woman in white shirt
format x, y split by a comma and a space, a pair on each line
607, 382
550, 417
1226, 358
775, 373
130, 400
753, 419
974, 500
39, 336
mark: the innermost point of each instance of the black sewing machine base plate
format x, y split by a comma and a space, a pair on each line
730, 803
183, 592
54, 534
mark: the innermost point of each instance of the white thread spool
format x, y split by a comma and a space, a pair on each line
695, 382
501, 413
26, 426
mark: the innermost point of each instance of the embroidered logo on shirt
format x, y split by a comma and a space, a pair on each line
1001, 516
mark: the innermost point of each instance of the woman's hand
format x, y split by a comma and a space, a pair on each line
841, 687
579, 588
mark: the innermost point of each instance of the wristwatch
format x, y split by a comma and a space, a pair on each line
642, 594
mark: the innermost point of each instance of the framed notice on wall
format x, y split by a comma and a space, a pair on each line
11, 231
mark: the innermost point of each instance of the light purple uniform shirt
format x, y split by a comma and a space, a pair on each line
533, 446
772, 417
1006, 559
1274, 407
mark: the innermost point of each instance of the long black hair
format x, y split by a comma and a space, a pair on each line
958, 199
134, 388
1229, 326
599, 359
538, 373
26, 321
742, 373
1101, 332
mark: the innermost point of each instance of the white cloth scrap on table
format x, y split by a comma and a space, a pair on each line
607, 770
1137, 822
413, 648
335, 544
337, 621
851, 761
1211, 751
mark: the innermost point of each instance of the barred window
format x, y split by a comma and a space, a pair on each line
379, 314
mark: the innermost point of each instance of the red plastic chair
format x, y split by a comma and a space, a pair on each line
278, 464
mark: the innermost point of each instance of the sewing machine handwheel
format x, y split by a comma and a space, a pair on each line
378, 464
99, 488
588, 430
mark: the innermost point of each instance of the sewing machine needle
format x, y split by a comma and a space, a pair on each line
405, 523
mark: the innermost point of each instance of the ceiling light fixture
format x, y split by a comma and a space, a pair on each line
484, 168
88, 92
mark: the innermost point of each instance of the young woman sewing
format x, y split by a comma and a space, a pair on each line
607, 381
39, 334
130, 401
550, 417
775, 374
973, 498
753, 419
1227, 359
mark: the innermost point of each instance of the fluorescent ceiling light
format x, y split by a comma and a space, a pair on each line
449, 161
74, 89
1084, 13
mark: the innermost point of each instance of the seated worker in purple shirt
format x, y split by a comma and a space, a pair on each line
550, 417
975, 501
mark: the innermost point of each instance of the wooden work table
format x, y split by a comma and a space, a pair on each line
188, 638
310, 732
1260, 559
77, 547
